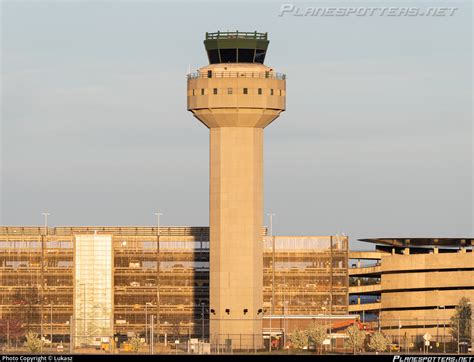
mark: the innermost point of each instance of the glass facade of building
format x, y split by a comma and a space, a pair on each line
93, 293
127, 274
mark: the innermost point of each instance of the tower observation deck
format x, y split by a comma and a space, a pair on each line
236, 47
236, 96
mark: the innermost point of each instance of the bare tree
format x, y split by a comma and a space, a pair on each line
461, 322
355, 338
135, 343
33, 342
318, 334
378, 342
298, 339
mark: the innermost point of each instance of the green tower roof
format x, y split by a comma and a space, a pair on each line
236, 47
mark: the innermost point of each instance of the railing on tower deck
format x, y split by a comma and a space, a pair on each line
210, 74
237, 35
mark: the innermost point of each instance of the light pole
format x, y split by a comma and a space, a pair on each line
324, 314
152, 334
326, 322
271, 223
51, 323
437, 324
146, 321
444, 330
71, 334
437, 328
330, 321
282, 292
459, 331
84, 330
45, 214
273, 279
158, 214
285, 306
158, 281
472, 329
399, 334
202, 320
380, 318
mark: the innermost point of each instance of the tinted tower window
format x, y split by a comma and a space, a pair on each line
259, 56
246, 55
213, 56
228, 55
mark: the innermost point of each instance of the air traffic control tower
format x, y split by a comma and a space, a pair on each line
236, 96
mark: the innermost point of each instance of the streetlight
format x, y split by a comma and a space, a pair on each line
472, 329
202, 320
271, 223
399, 334
285, 307
459, 331
45, 214
326, 322
285, 303
273, 278
51, 323
325, 318
437, 328
84, 321
444, 329
329, 301
146, 320
158, 282
158, 214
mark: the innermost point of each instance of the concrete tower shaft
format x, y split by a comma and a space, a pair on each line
236, 101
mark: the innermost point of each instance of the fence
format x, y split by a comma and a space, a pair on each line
211, 74
406, 336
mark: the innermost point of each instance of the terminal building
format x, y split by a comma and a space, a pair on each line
412, 285
91, 284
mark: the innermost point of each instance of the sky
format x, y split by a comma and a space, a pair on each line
376, 140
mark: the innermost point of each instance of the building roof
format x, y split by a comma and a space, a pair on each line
236, 47
408, 242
